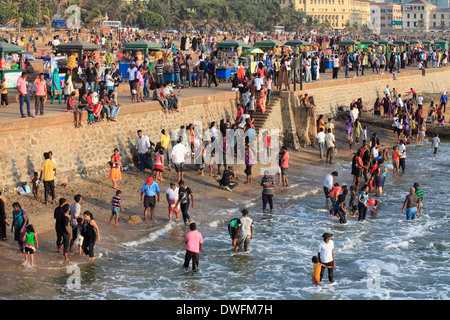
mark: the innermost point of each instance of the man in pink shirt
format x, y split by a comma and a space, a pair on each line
284, 165
194, 242
41, 93
23, 94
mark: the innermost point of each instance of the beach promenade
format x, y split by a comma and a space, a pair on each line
13, 113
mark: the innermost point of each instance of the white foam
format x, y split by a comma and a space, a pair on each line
151, 237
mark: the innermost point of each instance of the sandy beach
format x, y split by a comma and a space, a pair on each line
97, 191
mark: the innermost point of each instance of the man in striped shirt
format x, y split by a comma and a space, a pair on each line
419, 193
116, 207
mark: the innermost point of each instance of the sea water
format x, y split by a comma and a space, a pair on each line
384, 257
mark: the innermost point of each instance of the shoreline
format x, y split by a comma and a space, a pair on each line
97, 193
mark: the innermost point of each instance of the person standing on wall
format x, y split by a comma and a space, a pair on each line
336, 65
41, 94
23, 94
212, 72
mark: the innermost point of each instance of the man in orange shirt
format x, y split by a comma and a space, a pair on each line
395, 159
41, 94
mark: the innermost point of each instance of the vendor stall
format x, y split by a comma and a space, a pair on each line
52, 63
267, 44
11, 63
139, 49
427, 44
399, 45
370, 45
413, 44
384, 46
348, 45
228, 60
84, 52
251, 60
440, 44
297, 44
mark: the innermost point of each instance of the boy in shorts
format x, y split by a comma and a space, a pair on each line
116, 202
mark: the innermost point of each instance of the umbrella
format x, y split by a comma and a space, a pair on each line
252, 51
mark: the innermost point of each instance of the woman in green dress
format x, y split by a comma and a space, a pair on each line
56, 86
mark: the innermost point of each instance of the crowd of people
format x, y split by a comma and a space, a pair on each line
195, 65
99, 98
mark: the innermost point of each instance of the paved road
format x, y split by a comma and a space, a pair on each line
13, 112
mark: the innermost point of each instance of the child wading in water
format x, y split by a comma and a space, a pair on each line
317, 268
30, 241
116, 207
79, 239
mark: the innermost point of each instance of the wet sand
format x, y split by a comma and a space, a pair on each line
97, 192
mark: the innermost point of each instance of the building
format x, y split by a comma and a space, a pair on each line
338, 13
439, 20
382, 16
437, 3
416, 16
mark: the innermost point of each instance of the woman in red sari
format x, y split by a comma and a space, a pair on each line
115, 174
261, 99
241, 72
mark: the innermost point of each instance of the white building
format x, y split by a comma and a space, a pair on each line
416, 15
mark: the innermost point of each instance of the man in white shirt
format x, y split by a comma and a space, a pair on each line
436, 144
336, 65
172, 200
402, 150
326, 255
179, 152
131, 75
143, 146
400, 101
386, 90
330, 144
419, 100
328, 184
374, 152
354, 112
258, 82
321, 141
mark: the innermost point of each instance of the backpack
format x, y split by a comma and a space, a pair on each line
202, 65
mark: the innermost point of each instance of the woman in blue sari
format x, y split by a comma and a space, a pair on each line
56, 85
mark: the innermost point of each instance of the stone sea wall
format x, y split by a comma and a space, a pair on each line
328, 95
85, 150
81, 151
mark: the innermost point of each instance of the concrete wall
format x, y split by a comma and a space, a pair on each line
328, 95
23, 141
76, 151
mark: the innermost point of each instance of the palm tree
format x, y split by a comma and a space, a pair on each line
45, 16
129, 15
14, 18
